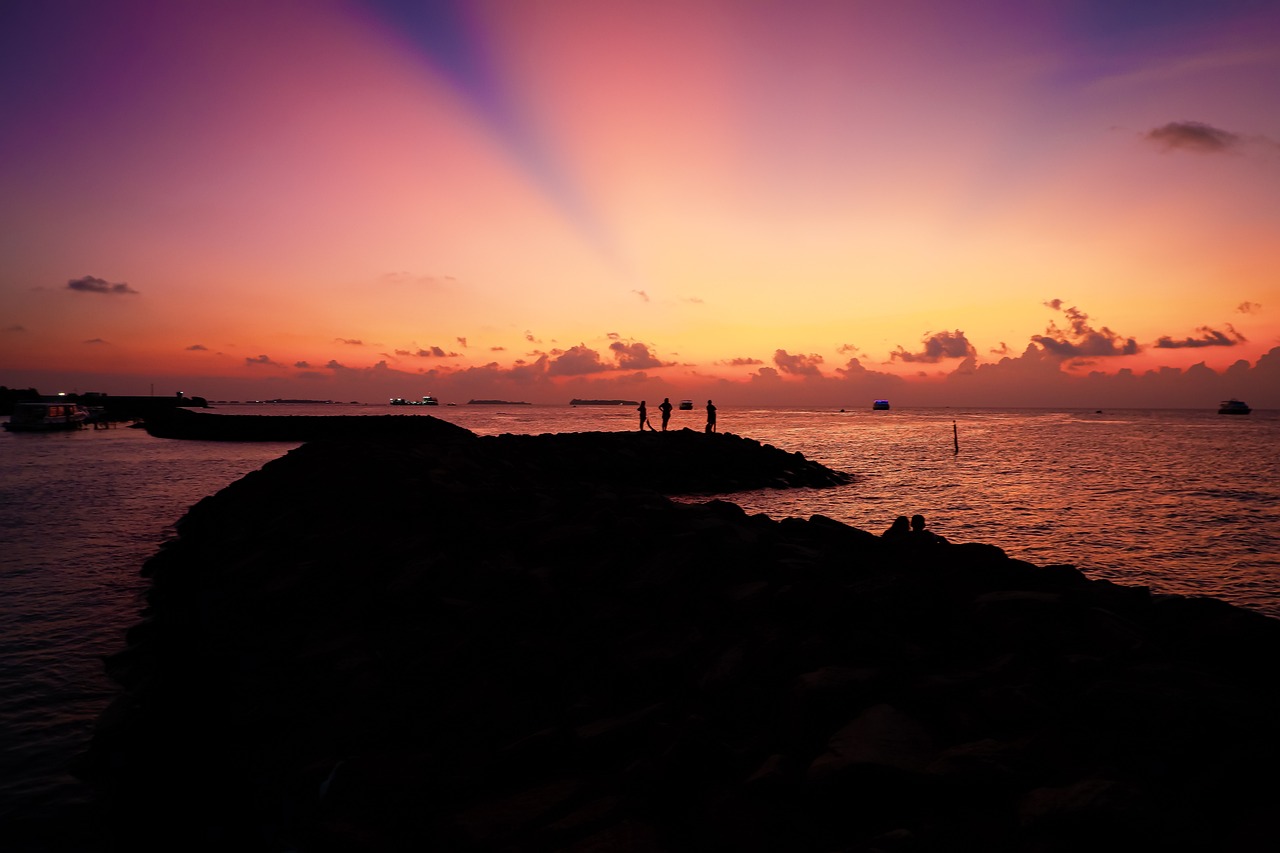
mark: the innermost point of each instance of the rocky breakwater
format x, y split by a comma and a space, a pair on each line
519, 643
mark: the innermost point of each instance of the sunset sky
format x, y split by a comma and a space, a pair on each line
1069, 203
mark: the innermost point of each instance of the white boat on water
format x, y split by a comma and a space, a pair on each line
427, 400
29, 416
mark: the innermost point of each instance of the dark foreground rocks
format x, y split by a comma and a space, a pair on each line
519, 644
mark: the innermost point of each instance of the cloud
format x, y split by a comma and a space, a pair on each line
528, 336
92, 284
1192, 136
633, 356
262, 359
643, 296
694, 300
577, 361
16, 327
1080, 340
846, 349
462, 342
355, 342
797, 365
497, 349
742, 362
1248, 308
197, 348
96, 342
1208, 338
335, 365
937, 347
302, 365
432, 352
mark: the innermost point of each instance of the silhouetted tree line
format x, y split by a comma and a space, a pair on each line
10, 396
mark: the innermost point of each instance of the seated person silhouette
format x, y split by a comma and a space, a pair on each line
919, 534
899, 530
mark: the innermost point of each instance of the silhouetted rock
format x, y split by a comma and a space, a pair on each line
519, 643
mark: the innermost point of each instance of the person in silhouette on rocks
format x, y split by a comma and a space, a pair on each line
919, 534
644, 416
665, 408
899, 530
711, 417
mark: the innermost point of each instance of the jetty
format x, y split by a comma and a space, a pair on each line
577, 642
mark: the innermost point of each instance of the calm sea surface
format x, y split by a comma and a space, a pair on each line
1185, 502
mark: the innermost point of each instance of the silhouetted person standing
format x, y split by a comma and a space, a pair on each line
644, 416
665, 408
711, 417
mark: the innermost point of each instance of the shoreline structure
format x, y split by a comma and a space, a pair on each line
427, 639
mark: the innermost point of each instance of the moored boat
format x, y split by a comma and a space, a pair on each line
686, 405
1233, 407
881, 405
33, 416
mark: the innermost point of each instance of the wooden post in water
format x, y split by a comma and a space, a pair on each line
955, 436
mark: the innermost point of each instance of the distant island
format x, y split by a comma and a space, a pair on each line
576, 402
496, 403
282, 402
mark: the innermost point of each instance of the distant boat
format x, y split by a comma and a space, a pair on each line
31, 416
428, 400
686, 405
1233, 407
880, 404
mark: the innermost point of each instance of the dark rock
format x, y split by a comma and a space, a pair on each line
519, 643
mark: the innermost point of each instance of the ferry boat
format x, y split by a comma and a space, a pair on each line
427, 400
881, 405
686, 405
31, 416
1233, 407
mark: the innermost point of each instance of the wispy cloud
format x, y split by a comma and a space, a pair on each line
798, 364
937, 346
1208, 338
1080, 339
579, 360
262, 360
93, 284
1193, 136
634, 356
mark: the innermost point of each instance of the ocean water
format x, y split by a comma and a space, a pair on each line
1185, 502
